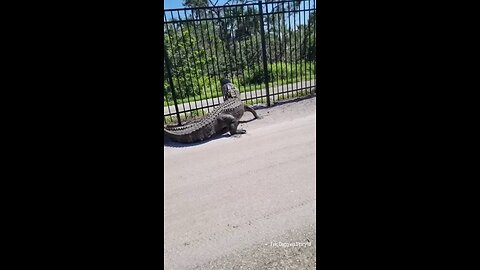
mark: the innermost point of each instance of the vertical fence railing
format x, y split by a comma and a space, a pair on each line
265, 48
169, 74
264, 52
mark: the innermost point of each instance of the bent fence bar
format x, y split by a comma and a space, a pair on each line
266, 49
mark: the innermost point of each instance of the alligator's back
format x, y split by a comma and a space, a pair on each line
217, 121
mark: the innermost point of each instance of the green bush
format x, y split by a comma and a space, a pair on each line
278, 71
209, 86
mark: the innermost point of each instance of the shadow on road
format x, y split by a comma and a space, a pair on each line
170, 143
293, 100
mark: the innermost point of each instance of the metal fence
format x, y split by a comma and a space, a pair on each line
266, 49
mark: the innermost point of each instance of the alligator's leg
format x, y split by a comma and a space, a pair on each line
250, 109
232, 124
234, 130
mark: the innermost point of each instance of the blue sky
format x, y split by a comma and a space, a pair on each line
172, 4
168, 4
178, 3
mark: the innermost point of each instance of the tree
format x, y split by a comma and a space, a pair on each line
230, 44
197, 13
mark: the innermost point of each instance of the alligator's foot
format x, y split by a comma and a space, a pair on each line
240, 131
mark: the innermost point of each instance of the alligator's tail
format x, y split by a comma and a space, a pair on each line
179, 136
189, 135
250, 109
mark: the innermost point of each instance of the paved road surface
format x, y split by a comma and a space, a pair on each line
229, 200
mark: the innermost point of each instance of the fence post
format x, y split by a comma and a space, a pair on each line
169, 73
264, 52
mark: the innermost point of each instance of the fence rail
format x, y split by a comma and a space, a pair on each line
266, 49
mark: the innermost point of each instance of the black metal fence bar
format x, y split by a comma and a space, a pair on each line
227, 62
295, 42
290, 44
285, 48
231, 5
305, 47
226, 17
265, 48
213, 52
188, 83
290, 89
169, 73
302, 39
271, 45
264, 51
315, 38
280, 47
258, 52
202, 67
248, 71
180, 93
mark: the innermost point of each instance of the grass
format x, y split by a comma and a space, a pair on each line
291, 95
285, 75
256, 101
195, 114
243, 89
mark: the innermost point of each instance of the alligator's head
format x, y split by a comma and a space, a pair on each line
229, 90
225, 81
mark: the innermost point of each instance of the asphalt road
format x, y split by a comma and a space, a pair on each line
247, 201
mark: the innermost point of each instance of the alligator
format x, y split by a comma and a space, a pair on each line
246, 107
224, 118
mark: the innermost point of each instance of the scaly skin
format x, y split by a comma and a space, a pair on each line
224, 118
247, 108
